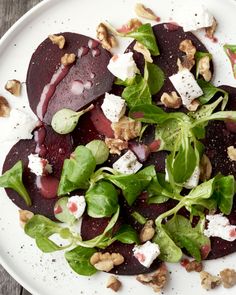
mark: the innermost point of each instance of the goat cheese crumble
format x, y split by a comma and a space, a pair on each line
76, 205
127, 164
123, 66
39, 166
113, 107
194, 17
186, 85
219, 226
146, 253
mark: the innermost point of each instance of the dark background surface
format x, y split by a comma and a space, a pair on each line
10, 12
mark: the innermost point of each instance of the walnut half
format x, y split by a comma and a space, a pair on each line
107, 40
145, 52
116, 145
171, 100
204, 68
14, 87
4, 107
157, 280
58, 40
126, 128
25, 216
68, 58
147, 231
189, 49
231, 151
106, 261
209, 281
228, 277
113, 283
145, 12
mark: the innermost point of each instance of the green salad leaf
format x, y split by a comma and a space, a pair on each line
133, 185
76, 171
102, 200
127, 235
79, 260
12, 178
230, 51
185, 236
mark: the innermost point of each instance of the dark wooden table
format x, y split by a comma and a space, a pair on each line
10, 11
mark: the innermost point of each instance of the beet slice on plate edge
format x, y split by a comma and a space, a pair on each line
55, 148
168, 40
89, 75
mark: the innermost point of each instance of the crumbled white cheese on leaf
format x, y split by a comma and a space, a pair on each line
76, 205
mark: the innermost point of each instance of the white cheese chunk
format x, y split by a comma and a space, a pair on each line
219, 226
113, 107
76, 205
39, 166
19, 125
192, 16
186, 85
127, 164
193, 180
146, 253
123, 66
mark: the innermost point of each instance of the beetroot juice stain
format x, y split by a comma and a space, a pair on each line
48, 186
49, 90
39, 138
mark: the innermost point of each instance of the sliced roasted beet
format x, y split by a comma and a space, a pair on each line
92, 227
42, 190
59, 84
168, 42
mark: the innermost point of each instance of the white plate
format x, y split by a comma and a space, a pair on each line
39, 273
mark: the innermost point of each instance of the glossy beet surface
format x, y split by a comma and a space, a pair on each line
56, 149
89, 72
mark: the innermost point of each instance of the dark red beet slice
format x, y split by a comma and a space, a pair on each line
56, 149
90, 71
168, 40
91, 227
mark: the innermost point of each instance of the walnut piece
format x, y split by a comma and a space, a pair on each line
106, 261
208, 281
126, 128
145, 52
210, 31
113, 283
228, 277
116, 145
172, 100
14, 87
58, 40
157, 280
204, 68
25, 216
107, 40
4, 107
231, 151
189, 49
193, 266
147, 232
193, 106
68, 58
205, 168
145, 12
